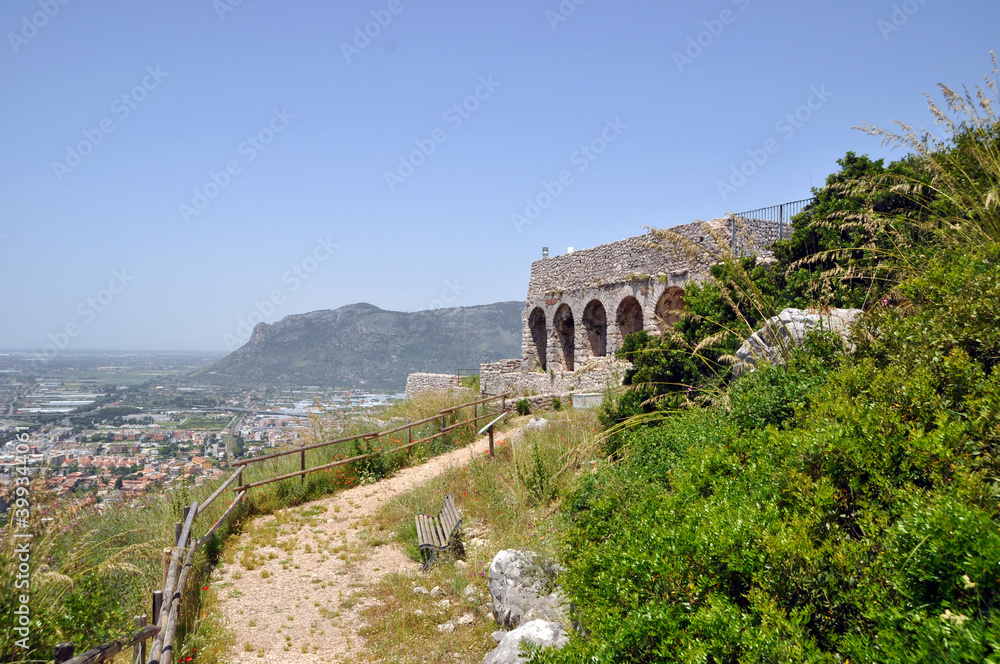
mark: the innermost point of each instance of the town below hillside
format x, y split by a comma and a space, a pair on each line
109, 426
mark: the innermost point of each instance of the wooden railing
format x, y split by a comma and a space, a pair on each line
178, 558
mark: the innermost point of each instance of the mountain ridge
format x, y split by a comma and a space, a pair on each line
363, 345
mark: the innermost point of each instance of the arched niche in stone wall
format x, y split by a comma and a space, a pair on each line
539, 339
629, 316
669, 306
595, 321
565, 331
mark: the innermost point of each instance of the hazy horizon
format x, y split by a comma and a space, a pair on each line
215, 351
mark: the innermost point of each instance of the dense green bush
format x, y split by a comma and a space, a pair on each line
773, 394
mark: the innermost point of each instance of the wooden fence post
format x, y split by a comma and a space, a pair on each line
177, 532
64, 652
157, 605
166, 567
409, 432
302, 464
491, 440
139, 649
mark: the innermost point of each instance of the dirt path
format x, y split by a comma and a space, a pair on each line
302, 599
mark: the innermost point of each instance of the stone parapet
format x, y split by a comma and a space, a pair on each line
499, 377
424, 383
507, 376
618, 262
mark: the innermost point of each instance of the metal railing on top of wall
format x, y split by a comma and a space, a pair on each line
753, 231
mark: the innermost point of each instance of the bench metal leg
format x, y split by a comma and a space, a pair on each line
430, 559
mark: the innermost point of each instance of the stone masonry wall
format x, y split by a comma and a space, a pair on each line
615, 262
499, 377
422, 383
580, 306
755, 236
506, 376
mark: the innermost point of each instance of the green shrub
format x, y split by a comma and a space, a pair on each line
843, 507
536, 474
772, 394
376, 466
522, 407
663, 375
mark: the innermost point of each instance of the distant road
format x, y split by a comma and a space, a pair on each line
245, 411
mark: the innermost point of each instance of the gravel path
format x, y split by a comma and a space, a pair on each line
302, 601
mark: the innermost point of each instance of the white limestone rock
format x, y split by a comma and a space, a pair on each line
537, 424
523, 589
539, 632
788, 329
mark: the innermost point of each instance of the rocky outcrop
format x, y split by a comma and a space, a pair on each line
538, 632
526, 600
788, 329
523, 588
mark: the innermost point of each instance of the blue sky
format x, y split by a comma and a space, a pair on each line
172, 172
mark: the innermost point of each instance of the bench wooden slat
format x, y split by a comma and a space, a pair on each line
449, 515
446, 523
420, 529
427, 528
437, 533
426, 531
430, 534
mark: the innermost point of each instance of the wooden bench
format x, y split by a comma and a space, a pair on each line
438, 533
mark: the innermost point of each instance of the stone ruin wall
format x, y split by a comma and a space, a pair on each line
615, 262
501, 377
581, 305
755, 236
424, 383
